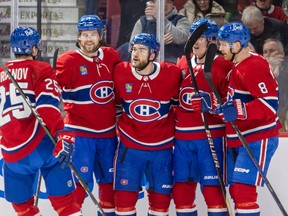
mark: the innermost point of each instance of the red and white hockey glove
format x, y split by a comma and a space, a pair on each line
64, 148
201, 102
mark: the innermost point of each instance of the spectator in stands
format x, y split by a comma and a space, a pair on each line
273, 51
242, 4
176, 29
262, 28
270, 10
131, 10
277, 2
196, 9
231, 9
91, 7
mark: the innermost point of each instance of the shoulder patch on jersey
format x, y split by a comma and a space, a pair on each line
183, 73
83, 70
128, 87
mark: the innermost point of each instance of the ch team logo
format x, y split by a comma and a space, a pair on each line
102, 92
185, 98
145, 110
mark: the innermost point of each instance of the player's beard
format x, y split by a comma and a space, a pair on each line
139, 65
89, 49
228, 56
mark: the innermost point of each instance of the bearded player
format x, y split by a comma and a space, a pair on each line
147, 91
85, 78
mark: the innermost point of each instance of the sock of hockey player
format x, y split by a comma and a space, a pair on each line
245, 199
79, 194
65, 205
246, 213
125, 202
214, 200
184, 196
106, 197
190, 213
27, 208
159, 203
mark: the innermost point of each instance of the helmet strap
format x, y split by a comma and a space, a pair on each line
101, 43
199, 58
234, 53
35, 56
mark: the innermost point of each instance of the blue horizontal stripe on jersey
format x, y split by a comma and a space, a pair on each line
80, 95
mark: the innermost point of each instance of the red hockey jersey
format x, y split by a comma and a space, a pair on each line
87, 92
21, 131
147, 121
189, 125
252, 81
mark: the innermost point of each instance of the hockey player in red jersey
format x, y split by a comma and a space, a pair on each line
252, 103
25, 146
146, 90
85, 77
193, 160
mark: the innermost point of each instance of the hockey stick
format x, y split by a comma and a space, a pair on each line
187, 50
37, 194
208, 76
55, 55
42, 123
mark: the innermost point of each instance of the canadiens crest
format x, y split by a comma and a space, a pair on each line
102, 92
145, 110
185, 98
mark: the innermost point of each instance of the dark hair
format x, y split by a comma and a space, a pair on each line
197, 7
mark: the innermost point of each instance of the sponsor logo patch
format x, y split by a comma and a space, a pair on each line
128, 87
83, 70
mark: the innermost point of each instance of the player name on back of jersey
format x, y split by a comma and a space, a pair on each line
17, 73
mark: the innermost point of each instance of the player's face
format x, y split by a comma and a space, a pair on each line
88, 41
224, 48
140, 56
200, 47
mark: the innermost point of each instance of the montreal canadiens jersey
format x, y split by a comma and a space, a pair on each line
147, 121
252, 81
189, 124
21, 131
87, 92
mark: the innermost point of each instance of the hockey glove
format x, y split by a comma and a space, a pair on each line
64, 148
232, 110
201, 102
